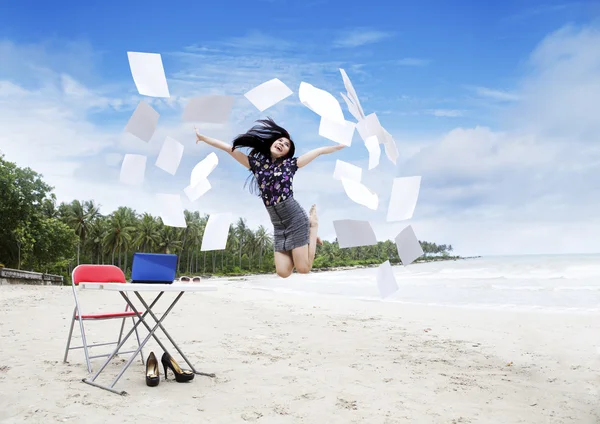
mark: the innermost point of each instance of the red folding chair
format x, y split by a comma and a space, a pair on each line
97, 274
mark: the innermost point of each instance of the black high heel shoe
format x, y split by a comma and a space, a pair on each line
152, 372
181, 376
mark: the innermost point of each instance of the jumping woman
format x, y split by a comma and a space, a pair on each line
272, 165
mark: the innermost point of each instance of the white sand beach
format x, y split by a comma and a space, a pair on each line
283, 358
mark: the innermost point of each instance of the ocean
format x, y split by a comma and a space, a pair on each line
551, 283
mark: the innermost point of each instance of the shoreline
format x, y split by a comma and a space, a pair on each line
338, 268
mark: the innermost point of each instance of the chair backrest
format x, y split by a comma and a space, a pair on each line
98, 274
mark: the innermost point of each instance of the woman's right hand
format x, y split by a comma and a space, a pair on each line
199, 137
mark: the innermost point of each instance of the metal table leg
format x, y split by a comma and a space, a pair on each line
141, 345
152, 331
171, 340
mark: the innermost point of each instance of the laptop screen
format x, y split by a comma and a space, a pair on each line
153, 268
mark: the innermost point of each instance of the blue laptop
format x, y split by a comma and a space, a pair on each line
153, 268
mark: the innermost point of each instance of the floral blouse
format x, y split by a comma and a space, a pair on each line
274, 178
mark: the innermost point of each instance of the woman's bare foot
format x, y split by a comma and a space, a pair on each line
314, 221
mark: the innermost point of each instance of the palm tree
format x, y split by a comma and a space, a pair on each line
189, 221
119, 234
233, 242
147, 233
77, 220
94, 241
262, 239
169, 239
240, 232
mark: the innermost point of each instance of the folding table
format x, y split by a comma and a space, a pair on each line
137, 289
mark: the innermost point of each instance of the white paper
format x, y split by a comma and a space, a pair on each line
143, 121
372, 145
203, 169
321, 102
341, 133
408, 246
347, 170
405, 193
148, 74
369, 127
268, 94
391, 150
354, 233
133, 169
195, 192
352, 108
210, 109
170, 156
352, 97
386, 280
171, 210
359, 193
216, 231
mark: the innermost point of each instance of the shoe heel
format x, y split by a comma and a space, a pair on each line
181, 375
152, 371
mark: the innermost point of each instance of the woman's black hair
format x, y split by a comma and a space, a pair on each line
259, 139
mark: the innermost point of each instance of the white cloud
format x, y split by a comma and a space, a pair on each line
540, 10
360, 37
413, 61
535, 186
561, 93
494, 94
446, 113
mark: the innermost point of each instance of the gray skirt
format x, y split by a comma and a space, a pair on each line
291, 227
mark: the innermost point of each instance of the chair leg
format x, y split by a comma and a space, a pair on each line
85, 346
70, 335
137, 336
121, 332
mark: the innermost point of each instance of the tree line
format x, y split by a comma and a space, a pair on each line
40, 235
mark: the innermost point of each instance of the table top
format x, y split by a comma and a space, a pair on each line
175, 287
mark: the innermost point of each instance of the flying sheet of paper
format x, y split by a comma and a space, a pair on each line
372, 145
133, 169
171, 210
210, 109
405, 193
170, 156
203, 169
341, 133
195, 192
391, 150
408, 246
386, 280
352, 108
352, 96
321, 102
347, 170
369, 127
148, 74
359, 193
216, 231
354, 233
268, 94
143, 121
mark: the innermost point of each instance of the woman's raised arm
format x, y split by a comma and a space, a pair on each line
241, 157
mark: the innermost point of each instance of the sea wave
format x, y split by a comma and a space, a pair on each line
471, 305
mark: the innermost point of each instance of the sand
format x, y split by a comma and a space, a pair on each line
282, 358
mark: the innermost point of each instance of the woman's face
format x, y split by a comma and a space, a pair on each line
280, 147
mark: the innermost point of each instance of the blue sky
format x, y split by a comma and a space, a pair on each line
490, 102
